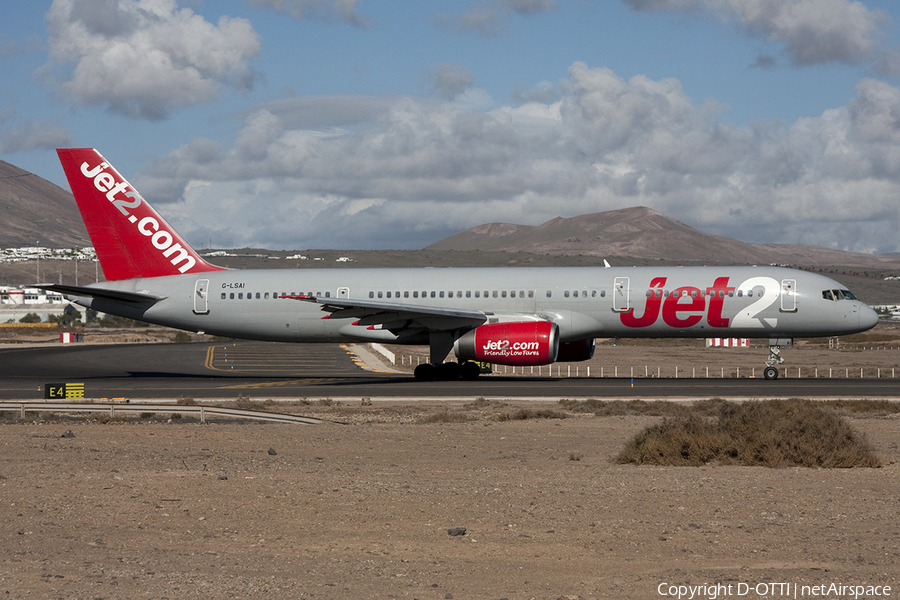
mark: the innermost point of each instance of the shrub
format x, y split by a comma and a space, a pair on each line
774, 433
524, 414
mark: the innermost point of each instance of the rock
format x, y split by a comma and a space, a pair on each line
456, 531
272, 452
68, 434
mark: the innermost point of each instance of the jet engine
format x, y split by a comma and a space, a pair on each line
520, 344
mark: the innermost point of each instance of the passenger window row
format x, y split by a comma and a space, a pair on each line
582, 294
424, 294
456, 294
265, 295
833, 295
483, 294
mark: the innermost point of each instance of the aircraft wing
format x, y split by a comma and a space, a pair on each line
92, 292
395, 317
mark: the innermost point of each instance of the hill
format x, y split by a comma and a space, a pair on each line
37, 212
642, 232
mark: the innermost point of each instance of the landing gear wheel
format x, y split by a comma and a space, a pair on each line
449, 371
770, 373
426, 372
470, 371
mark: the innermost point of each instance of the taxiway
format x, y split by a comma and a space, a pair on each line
285, 371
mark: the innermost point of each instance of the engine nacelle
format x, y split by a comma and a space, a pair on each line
576, 351
521, 344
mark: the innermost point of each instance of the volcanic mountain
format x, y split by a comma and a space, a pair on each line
36, 212
641, 232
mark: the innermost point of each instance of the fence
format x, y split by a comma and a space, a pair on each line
676, 372
648, 372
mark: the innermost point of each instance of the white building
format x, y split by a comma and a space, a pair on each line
14, 296
16, 302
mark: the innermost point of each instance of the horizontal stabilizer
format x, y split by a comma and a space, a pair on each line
93, 292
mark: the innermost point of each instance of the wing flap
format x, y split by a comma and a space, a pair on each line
376, 312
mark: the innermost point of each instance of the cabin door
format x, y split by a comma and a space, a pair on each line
788, 295
201, 297
621, 291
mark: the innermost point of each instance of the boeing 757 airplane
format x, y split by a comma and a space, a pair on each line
510, 316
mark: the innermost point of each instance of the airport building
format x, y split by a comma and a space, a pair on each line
18, 301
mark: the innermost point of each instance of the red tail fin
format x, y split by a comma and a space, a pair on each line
130, 238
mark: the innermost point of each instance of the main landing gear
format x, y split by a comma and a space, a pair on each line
775, 358
448, 371
441, 342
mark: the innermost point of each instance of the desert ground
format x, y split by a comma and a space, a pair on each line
361, 506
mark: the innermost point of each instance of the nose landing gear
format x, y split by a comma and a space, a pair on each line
775, 357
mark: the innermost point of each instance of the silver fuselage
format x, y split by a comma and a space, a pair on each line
585, 302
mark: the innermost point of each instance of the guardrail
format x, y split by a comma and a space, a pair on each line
115, 409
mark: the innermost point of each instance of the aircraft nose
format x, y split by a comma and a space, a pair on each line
868, 318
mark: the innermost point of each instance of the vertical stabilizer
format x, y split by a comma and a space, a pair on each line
130, 238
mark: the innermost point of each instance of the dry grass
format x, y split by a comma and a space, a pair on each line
776, 433
523, 414
608, 408
445, 416
868, 408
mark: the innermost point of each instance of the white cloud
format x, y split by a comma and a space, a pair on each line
144, 58
529, 7
344, 10
491, 18
34, 135
413, 171
450, 81
812, 31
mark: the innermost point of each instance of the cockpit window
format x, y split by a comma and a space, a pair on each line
838, 295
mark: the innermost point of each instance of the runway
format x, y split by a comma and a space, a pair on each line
280, 371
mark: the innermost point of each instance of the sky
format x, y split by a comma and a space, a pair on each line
356, 124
